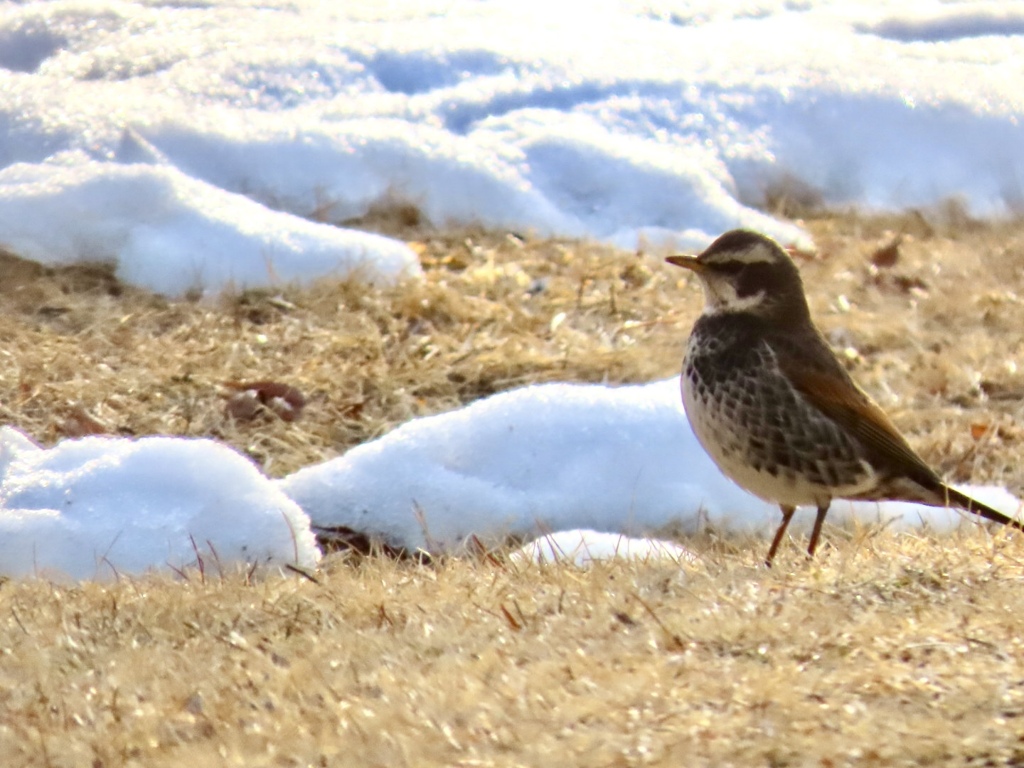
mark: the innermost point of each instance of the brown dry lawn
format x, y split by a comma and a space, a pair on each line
887, 650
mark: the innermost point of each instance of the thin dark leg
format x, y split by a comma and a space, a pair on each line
816, 531
787, 515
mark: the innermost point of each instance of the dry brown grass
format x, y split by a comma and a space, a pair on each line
887, 650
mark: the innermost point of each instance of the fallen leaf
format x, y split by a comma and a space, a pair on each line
887, 255
79, 423
253, 396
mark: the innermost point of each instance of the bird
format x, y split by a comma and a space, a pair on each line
773, 406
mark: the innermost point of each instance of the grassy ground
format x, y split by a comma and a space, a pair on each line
887, 650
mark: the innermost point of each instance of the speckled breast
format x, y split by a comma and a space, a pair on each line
759, 430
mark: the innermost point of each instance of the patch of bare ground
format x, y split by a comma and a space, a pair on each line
887, 650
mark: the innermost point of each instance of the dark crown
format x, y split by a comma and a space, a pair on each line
741, 240
754, 263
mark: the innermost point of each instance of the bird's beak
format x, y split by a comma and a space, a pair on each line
686, 262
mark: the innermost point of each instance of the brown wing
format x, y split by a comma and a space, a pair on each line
838, 397
826, 385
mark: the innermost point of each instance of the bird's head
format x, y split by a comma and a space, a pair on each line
743, 271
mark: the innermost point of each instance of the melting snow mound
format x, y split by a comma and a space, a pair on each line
101, 507
557, 457
172, 233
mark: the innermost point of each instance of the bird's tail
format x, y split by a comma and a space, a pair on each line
956, 499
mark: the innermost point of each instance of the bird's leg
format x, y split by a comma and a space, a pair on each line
816, 531
787, 515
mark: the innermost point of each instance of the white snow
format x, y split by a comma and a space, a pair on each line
661, 123
581, 466
200, 146
557, 457
161, 228
583, 547
104, 507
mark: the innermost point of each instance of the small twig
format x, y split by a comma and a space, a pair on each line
511, 619
199, 559
302, 572
421, 518
251, 572
478, 548
216, 558
676, 640
17, 620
